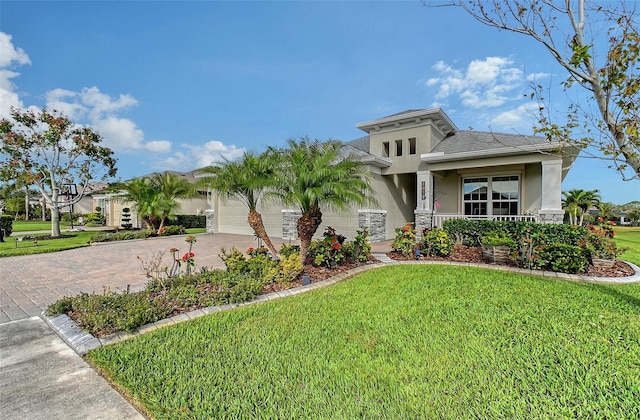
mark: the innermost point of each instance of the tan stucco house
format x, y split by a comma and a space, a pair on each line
424, 169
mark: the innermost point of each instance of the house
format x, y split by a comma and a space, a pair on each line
424, 169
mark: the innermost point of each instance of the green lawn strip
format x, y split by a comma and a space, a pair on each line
398, 342
19, 226
29, 247
70, 241
629, 237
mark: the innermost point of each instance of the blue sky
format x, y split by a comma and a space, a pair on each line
176, 85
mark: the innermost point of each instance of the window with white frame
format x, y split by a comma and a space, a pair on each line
491, 196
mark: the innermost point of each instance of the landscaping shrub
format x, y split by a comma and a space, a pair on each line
93, 219
122, 235
171, 230
328, 250
498, 238
558, 257
6, 224
290, 267
110, 312
405, 240
600, 241
286, 250
436, 242
360, 245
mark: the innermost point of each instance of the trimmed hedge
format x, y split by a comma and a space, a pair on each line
189, 221
563, 248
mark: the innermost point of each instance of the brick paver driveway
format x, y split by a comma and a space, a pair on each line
28, 284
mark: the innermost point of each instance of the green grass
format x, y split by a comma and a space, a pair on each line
28, 247
77, 240
401, 342
34, 226
629, 237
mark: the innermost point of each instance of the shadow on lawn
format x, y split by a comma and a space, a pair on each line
631, 300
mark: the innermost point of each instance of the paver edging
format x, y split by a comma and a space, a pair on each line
82, 341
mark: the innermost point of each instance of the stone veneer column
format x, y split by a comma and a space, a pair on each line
423, 219
376, 223
551, 200
210, 217
290, 224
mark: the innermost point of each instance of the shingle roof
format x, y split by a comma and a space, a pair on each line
361, 144
469, 141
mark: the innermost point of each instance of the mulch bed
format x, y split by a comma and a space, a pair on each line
474, 255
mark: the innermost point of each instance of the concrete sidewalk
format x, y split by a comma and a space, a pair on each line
42, 378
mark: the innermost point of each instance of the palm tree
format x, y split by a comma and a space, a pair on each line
144, 195
315, 174
577, 202
156, 197
170, 187
606, 210
246, 180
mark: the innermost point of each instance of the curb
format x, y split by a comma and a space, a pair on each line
81, 341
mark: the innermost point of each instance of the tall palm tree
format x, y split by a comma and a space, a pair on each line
315, 175
577, 202
246, 180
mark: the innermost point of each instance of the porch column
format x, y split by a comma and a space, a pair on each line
424, 198
424, 208
551, 200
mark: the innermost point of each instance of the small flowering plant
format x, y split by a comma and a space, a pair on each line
600, 241
186, 261
329, 250
405, 240
254, 252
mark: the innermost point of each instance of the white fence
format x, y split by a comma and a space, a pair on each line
439, 219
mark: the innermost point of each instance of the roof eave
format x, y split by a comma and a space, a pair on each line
503, 151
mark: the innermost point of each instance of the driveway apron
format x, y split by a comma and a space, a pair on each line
40, 376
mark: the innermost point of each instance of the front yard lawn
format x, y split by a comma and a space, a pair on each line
69, 240
400, 342
629, 237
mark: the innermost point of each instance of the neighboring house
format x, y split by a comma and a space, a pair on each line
112, 203
423, 169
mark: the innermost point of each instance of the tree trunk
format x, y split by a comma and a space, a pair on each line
255, 221
55, 220
26, 203
307, 226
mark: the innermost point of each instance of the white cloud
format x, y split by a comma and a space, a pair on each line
10, 54
521, 117
101, 112
8, 98
119, 133
198, 156
158, 146
537, 76
101, 103
483, 84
